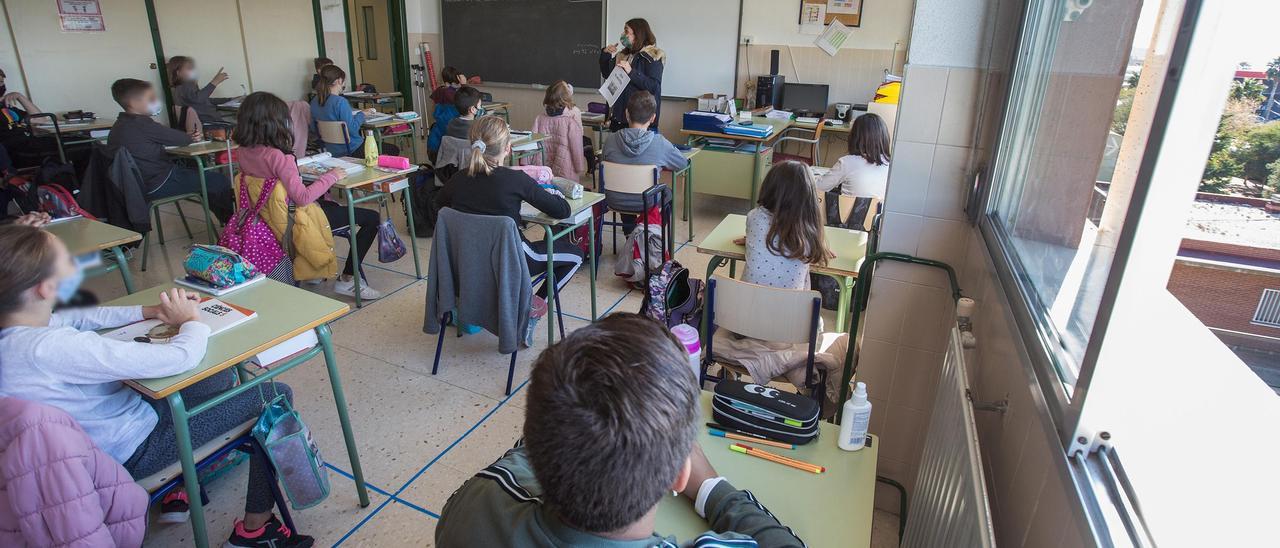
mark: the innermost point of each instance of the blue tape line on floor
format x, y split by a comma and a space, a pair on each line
394, 496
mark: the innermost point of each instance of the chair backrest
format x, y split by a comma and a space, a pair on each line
763, 312
866, 206
628, 178
190, 124
300, 115
333, 132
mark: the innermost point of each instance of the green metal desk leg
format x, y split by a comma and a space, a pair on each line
352, 254
406, 195
688, 199
733, 268
591, 231
551, 286
123, 266
842, 309
190, 479
377, 137
755, 174
204, 201
340, 400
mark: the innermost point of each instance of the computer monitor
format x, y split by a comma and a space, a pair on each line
805, 99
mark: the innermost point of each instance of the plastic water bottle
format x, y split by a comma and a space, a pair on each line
688, 337
854, 419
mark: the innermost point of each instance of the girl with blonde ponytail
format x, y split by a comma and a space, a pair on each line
486, 187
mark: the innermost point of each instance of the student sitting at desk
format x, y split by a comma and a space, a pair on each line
318, 63
467, 101
330, 106
145, 139
864, 171
562, 124
451, 80
610, 431
266, 152
24, 149
486, 187
188, 93
57, 359
637, 144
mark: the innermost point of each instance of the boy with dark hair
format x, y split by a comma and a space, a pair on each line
641, 144
136, 131
610, 429
467, 101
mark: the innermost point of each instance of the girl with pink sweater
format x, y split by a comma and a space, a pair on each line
562, 123
265, 136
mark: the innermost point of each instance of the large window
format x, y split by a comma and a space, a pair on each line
1058, 201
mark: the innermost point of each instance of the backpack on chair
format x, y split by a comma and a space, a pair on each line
58, 202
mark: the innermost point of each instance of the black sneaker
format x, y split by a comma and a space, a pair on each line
275, 534
175, 507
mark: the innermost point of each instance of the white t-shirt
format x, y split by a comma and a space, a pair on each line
856, 177
70, 367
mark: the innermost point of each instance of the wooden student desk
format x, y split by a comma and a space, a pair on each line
566, 226
380, 126
284, 312
850, 247
525, 140
82, 236
42, 126
833, 508
363, 182
196, 153
500, 108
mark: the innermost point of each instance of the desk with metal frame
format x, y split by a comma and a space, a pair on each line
496, 107
380, 125
82, 235
833, 508
195, 153
284, 312
363, 182
687, 173
520, 140
60, 128
567, 226
850, 247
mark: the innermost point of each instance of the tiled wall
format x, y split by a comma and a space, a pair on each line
954, 86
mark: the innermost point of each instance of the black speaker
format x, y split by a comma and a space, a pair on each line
773, 61
769, 91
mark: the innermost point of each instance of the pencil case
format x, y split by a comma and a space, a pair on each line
393, 162
760, 409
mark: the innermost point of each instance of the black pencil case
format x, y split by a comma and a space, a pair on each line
783, 416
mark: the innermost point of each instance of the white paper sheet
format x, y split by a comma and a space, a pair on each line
833, 38
614, 84
813, 18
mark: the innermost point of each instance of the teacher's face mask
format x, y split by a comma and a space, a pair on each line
624, 40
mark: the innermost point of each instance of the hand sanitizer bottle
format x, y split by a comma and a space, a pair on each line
854, 419
370, 149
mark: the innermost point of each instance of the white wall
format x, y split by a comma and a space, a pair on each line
280, 55
775, 22
213, 43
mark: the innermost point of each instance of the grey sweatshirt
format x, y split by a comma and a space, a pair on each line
640, 146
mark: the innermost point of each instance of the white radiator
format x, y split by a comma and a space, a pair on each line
949, 506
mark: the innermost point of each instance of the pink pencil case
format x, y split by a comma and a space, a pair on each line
393, 162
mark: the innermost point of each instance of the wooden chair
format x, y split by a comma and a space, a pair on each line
636, 180
765, 313
334, 133
813, 158
185, 119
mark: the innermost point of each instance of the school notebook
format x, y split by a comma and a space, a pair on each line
312, 167
215, 313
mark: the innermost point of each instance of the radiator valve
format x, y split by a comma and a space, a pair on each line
964, 321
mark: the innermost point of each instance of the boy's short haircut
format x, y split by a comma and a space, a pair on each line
641, 107
465, 98
611, 419
128, 89
449, 75
322, 62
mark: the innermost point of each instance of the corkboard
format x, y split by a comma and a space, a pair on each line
848, 19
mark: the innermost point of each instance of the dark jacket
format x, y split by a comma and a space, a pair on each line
646, 74
189, 94
145, 140
112, 190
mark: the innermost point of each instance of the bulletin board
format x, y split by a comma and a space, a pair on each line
848, 12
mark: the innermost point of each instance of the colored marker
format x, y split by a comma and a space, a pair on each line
762, 454
732, 436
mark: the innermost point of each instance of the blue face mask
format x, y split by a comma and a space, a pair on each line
68, 286
479, 112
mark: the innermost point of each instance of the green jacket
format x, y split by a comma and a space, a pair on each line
502, 506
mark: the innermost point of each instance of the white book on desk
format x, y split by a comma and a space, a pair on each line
218, 315
527, 210
312, 167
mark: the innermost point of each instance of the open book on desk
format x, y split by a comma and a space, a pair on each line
312, 167
215, 313
378, 117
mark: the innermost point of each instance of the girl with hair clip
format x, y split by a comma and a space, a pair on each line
485, 187
57, 358
785, 231
265, 136
562, 122
864, 171
330, 106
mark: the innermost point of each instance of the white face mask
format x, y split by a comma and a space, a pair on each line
155, 108
193, 76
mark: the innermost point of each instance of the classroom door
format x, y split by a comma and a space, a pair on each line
370, 26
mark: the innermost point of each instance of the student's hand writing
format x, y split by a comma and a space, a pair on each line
740, 240
700, 470
220, 77
341, 173
625, 66
611, 49
177, 306
36, 219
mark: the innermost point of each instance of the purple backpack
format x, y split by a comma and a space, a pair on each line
248, 235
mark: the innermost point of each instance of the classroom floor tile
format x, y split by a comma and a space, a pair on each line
394, 525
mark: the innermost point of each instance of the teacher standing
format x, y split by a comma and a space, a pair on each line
641, 59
